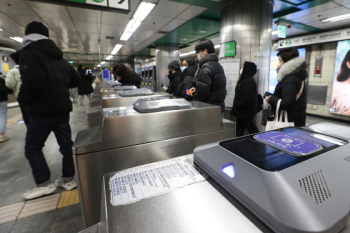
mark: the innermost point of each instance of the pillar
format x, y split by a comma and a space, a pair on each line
249, 23
165, 53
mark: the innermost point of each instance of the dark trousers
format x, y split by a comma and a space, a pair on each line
25, 115
38, 130
244, 124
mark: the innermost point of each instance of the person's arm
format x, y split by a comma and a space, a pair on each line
187, 85
248, 90
203, 84
11, 80
74, 78
289, 95
33, 77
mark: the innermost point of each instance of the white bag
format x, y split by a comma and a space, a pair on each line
278, 123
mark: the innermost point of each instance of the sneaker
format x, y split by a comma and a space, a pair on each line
4, 138
66, 185
39, 191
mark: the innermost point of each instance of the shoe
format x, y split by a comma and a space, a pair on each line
4, 138
66, 185
39, 191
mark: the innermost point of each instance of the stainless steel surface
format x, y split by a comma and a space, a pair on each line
317, 94
249, 23
165, 53
91, 167
137, 129
331, 129
127, 101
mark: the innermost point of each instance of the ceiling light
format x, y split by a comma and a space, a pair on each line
143, 11
126, 36
16, 38
185, 54
1, 29
185, 39
109, 57
98, 65
103, 62
135, 27
217, 46
336, 18
274, 33
116, 49
201, 31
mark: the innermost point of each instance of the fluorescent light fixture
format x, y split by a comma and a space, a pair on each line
71, 62
274, 33
185, 54
109, 57
98, 65
1, 29
336, 18
103, 62
116, 49
143, 11
16, 38
126, 36
217, 46
202, 31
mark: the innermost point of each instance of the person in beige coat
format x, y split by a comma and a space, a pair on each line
14, 82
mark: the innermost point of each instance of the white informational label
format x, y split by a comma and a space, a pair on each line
231, 67
119, 4
146, 181
337, 35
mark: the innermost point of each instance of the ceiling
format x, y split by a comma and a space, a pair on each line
77, 31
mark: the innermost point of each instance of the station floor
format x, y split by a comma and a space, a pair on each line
57, 213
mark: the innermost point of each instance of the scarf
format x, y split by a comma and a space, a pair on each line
28, 39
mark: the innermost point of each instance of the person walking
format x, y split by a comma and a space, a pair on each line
291, 87
126, 77
4, 91
245, 104
85, 86
188, 68
209, 85
14, 82
46, 79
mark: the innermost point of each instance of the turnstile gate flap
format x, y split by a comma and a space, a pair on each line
159, 104
136, 92
124, 88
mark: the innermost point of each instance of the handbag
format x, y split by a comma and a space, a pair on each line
278, 122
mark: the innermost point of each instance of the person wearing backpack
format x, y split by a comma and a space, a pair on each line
245, 104
291, 89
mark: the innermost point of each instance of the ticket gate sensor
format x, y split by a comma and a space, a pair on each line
293, 179
136, 92
160, 104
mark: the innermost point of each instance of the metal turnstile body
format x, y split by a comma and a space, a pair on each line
125, 140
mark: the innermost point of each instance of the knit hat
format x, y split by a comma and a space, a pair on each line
15, 57
37, 28
249, 69
174, 65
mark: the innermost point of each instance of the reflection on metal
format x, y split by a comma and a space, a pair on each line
131, 140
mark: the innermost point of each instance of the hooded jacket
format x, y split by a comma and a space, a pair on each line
46, 79
186, 82
13, 80
245, 103
210, 82
174, 82
85, 86
132, 80
290, 77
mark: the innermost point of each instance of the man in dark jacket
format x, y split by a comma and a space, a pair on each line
85, 86
174, 76
210, 80
126, 77
245, 103
46, 79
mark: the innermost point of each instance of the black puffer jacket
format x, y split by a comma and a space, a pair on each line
4, 91
245, 102
46, 79
174, 82
85, 86
290, 78
186, 82
132, 80
210, 82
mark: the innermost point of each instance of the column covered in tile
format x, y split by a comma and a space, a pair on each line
249, 23
165, 53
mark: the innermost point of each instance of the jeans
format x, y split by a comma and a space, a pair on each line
3, 116
244, 124
81, 98
38, 130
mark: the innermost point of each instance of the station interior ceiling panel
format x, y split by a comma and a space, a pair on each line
77, 30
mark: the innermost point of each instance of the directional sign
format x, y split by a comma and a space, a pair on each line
282, 31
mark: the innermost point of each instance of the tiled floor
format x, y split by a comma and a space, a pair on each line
57, 213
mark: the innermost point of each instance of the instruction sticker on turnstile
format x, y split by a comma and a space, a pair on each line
290, 144
153, 179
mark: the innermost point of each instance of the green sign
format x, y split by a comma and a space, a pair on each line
228, 49
288, 42
282, 31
